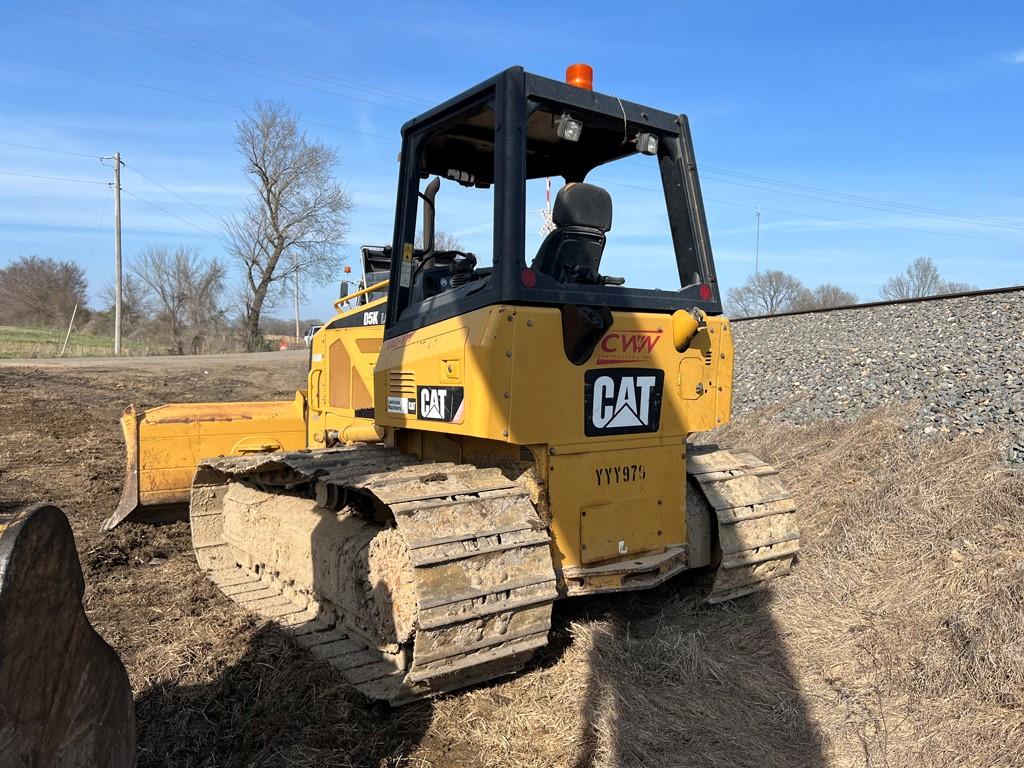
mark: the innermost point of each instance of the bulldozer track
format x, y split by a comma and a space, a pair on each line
757, 532
295, 538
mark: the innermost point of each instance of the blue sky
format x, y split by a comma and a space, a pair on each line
868, 133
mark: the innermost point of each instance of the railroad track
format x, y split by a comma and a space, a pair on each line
885, 303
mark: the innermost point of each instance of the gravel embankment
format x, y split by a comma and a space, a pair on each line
962, 359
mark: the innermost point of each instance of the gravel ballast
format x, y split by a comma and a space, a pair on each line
960, 359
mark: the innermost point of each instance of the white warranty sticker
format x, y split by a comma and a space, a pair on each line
402, 405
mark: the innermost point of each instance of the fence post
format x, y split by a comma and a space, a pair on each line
70, 325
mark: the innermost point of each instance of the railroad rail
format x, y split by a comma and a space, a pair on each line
885, 303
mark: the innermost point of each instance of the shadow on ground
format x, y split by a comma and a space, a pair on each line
645, 679
276, 706
670, 681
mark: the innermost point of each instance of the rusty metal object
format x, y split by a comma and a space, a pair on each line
65, 699
758, 539
410, 578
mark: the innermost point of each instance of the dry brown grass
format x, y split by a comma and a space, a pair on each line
905, 621
897, 642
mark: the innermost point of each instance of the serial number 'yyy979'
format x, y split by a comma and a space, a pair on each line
626, 473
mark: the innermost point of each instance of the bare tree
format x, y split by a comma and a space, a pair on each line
40, 291
285, 326
824, 296
297, 218
183, 288
955, 286
921, 278
765, 293
133, 305
831, 295
443, 241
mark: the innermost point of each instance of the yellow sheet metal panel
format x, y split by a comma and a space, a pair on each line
552, 400
690, 378
342, 359
620, 528
501, 373
633, 494
451, 377
339, 372
726, 358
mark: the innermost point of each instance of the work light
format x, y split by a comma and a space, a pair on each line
568, 127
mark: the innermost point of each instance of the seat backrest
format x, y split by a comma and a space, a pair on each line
572, 252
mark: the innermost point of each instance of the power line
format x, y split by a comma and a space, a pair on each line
874, 204
966, 218
711, 172
172, 215
217, 50
863, 198
861, 201
803, 214
99, 225
151, 180
130, 167
48, 149
53, 178
830, 218
615, 183
228, 67
173, 92
861, 223
122, 81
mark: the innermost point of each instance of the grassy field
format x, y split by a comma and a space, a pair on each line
46, 342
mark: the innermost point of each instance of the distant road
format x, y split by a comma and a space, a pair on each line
293, 357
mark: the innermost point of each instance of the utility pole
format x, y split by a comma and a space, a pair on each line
116, 157
298, 332
757, 245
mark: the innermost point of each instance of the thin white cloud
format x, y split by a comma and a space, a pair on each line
1016, 57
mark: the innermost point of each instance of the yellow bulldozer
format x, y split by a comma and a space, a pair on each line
483, 434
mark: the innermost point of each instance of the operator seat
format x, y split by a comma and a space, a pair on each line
571, 253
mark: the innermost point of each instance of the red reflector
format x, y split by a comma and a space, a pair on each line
705, 292
528, 277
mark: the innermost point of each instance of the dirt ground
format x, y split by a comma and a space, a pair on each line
896, 643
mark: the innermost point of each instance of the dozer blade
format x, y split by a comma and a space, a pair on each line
164, 445
758, 539
65, 699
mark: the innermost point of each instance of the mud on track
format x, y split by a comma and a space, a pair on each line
831, 668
